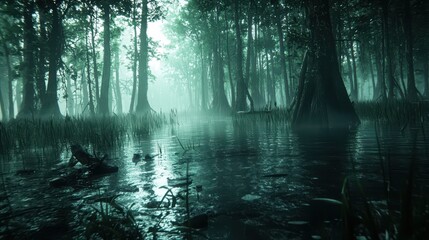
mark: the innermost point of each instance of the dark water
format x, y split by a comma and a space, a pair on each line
259, 180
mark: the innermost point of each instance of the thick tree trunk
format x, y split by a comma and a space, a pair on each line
282, 51
51, 107
322, 99
143, 103
220, 102
241, 104
27, 105
136, 53
103, 107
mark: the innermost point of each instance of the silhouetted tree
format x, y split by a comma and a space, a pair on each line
322, 98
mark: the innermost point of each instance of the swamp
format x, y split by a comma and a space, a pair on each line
203, 119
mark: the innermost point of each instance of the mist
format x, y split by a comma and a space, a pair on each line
201, 119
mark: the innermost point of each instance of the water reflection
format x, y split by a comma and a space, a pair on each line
258, 179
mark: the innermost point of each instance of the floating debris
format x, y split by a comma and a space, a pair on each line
250, 197
179, 182
136, 158
148, 157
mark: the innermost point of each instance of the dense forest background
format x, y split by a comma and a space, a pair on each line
76, 57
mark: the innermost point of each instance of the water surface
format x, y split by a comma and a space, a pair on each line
259, 179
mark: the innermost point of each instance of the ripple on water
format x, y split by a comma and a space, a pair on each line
231, 163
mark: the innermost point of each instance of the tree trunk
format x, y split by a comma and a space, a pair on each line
143, 103
350, 75
27, 105
220, 102
41, 69
103, 107
94, 59
2, 107
203, 82
19, 90
271, 88
228, 61
136, 53
355, 79
426, 72
241, 104
371, 69
380, 91
9, 81
253, 77
84, 91
282, 50
118, 95
411, 86
70, 98
387, 50
51, 108
88, 71
322, 99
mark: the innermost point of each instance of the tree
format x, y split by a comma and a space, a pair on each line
56, 39
142, 102
27, 105
408, 30
322, 98
103, 107
282, 49
134, 57
241, 104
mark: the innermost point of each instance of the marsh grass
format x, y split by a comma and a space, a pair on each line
110, 220
278, 115
405, 217
100, 132
396, 111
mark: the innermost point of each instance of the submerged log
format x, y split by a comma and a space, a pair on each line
94, 163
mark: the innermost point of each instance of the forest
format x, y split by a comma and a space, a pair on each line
302, 105
232, 56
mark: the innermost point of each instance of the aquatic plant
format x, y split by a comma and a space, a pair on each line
408, 221
59, 133
112, 221
395, 111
